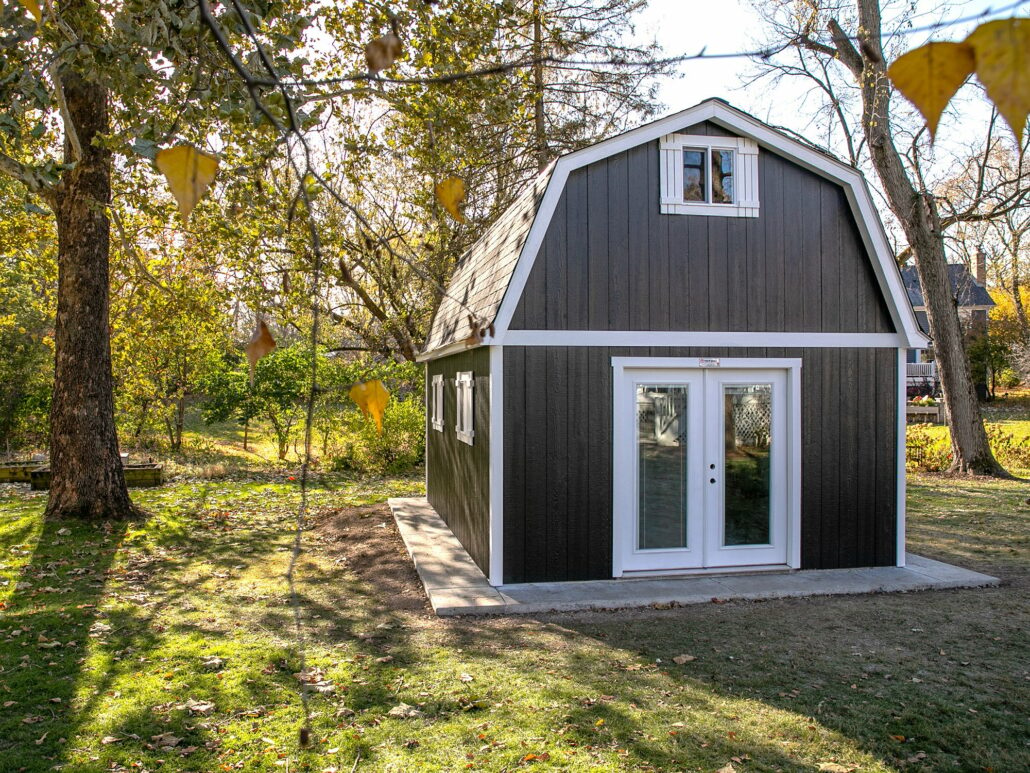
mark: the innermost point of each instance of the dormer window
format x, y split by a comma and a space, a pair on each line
703, 175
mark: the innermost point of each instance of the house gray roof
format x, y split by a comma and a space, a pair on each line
965, 288
483, 273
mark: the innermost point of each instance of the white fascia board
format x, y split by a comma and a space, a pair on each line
722, 340
446, 351
886, 270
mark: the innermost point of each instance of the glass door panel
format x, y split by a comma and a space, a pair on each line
663, 469
747, 437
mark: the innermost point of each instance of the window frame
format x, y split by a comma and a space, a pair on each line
436, 402
745, 175
464, 389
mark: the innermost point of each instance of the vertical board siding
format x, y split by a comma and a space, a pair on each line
458, 475
612, 261
558, 457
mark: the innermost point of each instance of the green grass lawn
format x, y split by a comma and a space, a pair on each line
168, 645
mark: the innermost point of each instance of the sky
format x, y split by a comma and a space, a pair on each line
687, 26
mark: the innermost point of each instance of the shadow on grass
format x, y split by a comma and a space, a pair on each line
46, 633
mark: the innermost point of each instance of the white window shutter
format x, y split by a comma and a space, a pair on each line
670, 149
465, 383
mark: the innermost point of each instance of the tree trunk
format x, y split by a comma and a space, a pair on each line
918, 215
539, 126
180, 421
87, 480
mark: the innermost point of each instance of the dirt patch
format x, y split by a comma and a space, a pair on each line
366, 542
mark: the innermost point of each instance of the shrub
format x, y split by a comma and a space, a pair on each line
1009, 450
1008, 378
926, 451
400, 447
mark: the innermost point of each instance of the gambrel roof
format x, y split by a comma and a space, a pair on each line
492, 276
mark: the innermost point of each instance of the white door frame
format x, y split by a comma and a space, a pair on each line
624, 503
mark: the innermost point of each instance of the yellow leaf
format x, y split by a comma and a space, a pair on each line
382, 52
261, 343
189, 173
451, 193
33, 7
930, 75
1002, 51
371, 398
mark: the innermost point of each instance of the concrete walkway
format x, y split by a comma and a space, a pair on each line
456, 586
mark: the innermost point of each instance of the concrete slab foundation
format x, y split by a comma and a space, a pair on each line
456, 586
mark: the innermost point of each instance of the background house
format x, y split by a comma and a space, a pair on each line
681, 350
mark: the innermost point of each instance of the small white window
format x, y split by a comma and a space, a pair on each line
703, 175
436, 402
464, 383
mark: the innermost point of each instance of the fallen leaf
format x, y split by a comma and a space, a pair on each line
404, 711
930, 75
833, 767
679, 660
214, 663
64, 532
109, 739
189, 173
261, 343
727, 768
382, 52
1002, 51
42, 738
371, 397
196, 707
466, 677
165, 740
451, 193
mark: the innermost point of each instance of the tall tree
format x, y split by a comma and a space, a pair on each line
848, 34
104, 83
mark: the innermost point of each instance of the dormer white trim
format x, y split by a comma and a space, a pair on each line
745, 175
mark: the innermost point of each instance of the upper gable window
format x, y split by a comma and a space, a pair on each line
703, 175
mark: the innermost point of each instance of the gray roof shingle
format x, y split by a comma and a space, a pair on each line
483, 273
965, 288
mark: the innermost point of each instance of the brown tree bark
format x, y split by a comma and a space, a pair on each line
87, 480
539, 125
920, 219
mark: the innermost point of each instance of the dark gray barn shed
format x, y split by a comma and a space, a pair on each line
690, 358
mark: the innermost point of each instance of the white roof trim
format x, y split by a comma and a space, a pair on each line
869, 224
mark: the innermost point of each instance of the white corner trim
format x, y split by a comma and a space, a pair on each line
870, 227
496, 574
702, 338
902, 440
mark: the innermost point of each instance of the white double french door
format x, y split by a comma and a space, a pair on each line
701, 468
